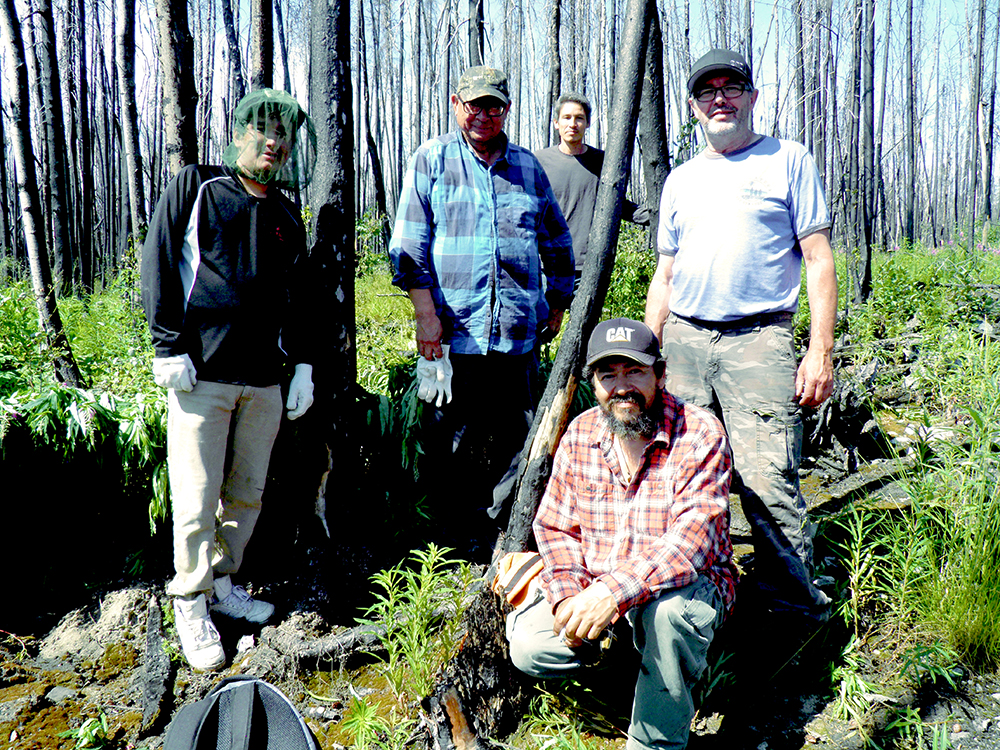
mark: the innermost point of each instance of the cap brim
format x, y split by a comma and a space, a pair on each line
479, 93
640, 357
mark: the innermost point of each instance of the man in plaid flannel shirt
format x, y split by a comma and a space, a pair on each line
634, 522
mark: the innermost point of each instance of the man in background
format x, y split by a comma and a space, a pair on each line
574, 170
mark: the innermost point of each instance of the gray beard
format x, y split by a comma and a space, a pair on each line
643, 425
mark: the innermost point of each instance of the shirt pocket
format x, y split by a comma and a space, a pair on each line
518, 215
596, 505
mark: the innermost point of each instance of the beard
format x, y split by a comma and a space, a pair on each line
642, 425
739, 121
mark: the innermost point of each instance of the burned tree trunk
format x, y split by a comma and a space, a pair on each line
332, 196
552, 414
125, 59
480, 692
180, 100
66, 370
262, 45
652, 118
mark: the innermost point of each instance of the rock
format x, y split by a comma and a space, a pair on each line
9, 710
244, 644
79, 638
59, 695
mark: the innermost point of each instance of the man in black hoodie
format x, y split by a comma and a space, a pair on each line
224, 282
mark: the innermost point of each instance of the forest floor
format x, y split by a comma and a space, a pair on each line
776, 692
775, 680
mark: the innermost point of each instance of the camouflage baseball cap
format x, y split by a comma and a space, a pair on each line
482, 81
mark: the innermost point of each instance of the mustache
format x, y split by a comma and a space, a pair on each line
622, 397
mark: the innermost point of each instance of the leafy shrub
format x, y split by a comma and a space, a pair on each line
634, 265
418, 613
372, 231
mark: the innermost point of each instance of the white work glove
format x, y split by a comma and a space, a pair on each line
300, 391
434, 378
175, 372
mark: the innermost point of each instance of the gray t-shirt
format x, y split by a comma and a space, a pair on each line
574, 181
733, 223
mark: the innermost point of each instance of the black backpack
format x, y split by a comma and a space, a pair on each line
241, 713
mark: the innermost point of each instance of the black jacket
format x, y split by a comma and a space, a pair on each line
225, 278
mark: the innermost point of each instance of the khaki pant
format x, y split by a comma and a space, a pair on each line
219, 439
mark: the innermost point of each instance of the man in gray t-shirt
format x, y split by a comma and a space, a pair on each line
574, 171
736, 223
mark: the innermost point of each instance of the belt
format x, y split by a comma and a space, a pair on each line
752, 321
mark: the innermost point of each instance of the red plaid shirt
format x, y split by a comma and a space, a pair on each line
660, 531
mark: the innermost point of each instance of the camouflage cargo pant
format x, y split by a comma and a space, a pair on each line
745, 374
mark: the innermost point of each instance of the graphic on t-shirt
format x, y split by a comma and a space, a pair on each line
755, 190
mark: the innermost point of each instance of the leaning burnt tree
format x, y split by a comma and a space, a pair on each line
480, 693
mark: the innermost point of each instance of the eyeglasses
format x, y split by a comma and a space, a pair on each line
475, 110
730, 91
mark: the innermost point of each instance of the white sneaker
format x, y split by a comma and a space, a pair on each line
234, 601
199, 638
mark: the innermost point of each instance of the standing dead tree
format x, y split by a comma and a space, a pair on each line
54, 135
66, 370
125, 59
480, 693
332, 196
180, 100
261, 44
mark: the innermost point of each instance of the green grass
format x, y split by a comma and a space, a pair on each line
384, 320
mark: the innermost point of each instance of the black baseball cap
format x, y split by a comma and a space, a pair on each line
622, 337
719, 60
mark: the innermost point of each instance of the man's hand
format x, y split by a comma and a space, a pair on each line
552, 326
585, 615
429, 329
175, 372
300, 391
814, 378
429, 333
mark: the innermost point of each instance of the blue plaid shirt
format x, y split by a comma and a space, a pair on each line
481, 238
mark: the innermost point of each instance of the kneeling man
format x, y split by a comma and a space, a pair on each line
634, 521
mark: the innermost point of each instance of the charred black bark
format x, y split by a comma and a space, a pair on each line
261, 45
653, 124
332, 196
553, 411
